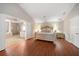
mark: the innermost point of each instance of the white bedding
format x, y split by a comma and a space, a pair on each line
47, 36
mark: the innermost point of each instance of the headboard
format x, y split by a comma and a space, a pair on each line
46, 28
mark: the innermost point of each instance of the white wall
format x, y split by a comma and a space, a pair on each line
73, 13
74, 30
29, 30
14, 10
2, 31
26, 30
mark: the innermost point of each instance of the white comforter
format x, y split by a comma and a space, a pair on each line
45, 36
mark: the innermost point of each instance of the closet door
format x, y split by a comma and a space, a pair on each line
74, 31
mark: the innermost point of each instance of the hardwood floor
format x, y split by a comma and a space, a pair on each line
41, 48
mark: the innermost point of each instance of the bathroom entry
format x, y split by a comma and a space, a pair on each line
16, 31
15, 28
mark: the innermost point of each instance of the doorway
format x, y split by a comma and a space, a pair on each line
15, 31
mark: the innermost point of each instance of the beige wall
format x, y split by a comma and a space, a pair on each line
59, 25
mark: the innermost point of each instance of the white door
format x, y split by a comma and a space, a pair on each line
74, 31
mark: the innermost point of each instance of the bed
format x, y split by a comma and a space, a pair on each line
46, 34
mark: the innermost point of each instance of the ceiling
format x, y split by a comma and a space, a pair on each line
47, 11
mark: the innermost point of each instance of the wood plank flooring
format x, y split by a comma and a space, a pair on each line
33, 47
